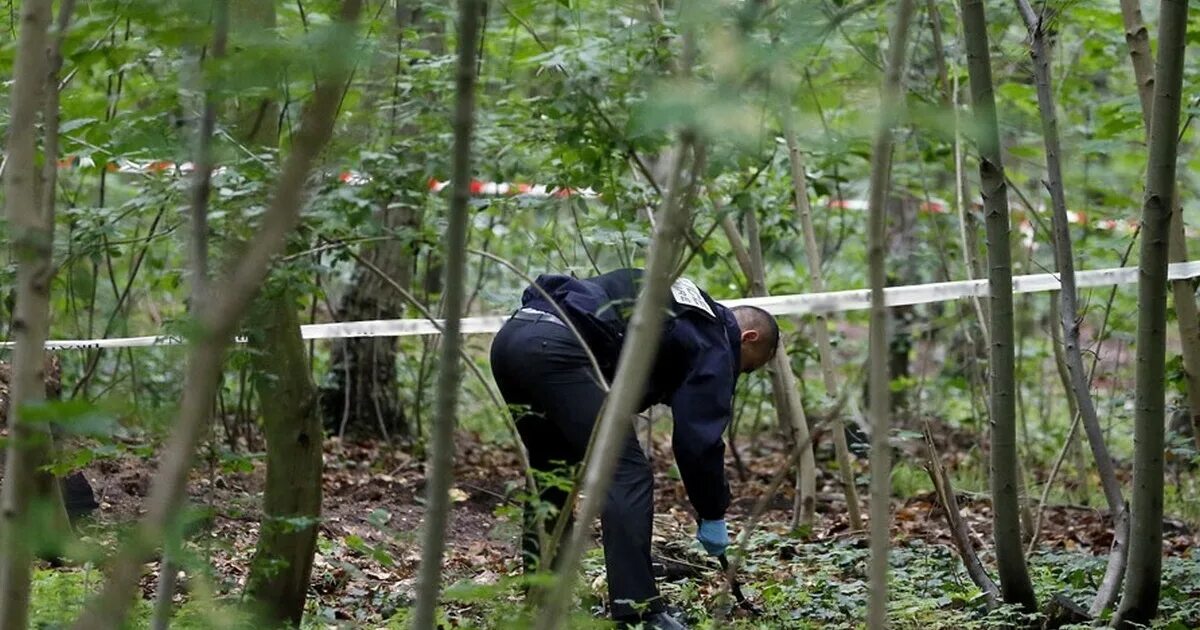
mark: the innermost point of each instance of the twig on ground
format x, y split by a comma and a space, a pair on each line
959, 530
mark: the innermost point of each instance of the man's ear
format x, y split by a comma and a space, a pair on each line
749, 336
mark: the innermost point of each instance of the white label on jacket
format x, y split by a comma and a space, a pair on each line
687, 293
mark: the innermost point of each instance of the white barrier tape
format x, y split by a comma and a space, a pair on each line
399, 328
799, 304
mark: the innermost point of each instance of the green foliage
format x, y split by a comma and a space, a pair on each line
909, 480
582, 93
58, 596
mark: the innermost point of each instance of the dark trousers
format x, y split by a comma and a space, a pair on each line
546, 378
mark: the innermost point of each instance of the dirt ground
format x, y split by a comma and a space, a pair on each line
369, 550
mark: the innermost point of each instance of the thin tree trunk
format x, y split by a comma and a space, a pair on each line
641, 344
198, 260
784, 388
1010, 554
217, 322
48, 487
1186, 315
440, 468
203, 163
824, 347
1060, 357
968, 229
891, 110
1107, 592
1138, 40
412, 300
1144, 573
164, 596
1072, 447
31, 498
787, 395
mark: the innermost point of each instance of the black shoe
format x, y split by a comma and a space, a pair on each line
665, 621
679, 614
656, 621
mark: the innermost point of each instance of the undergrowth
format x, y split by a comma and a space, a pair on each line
795, 584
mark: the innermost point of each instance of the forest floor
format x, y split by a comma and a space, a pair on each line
364, 573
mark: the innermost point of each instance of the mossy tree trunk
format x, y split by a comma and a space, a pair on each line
287, 540
288, 403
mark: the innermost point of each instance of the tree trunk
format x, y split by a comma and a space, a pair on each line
288, 400
891, 111
1015, 584
31, 500
1186, 315
362, 393
968, 228
257, 120
283, 560
217, 322
785, 390
49, 490
1138, 40
1074, 448
1144, 574
1106, 594
960, 530
901, 244
824, 347
440, 467
787, 397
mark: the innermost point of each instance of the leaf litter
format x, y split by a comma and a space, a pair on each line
365, 569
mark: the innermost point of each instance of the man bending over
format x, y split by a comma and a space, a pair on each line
544, 373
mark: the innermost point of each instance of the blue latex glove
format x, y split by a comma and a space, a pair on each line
713, 536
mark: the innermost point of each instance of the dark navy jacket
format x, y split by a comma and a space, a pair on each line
695, 371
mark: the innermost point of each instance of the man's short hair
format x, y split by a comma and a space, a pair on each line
763, 322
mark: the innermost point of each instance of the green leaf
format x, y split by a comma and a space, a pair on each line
72, 125
379, 517
78, 417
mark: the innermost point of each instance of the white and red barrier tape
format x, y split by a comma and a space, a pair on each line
349, 177
519, 189
799, 304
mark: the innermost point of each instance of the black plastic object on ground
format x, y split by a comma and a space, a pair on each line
78, 496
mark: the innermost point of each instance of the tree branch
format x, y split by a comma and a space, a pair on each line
960, 531
217, 320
